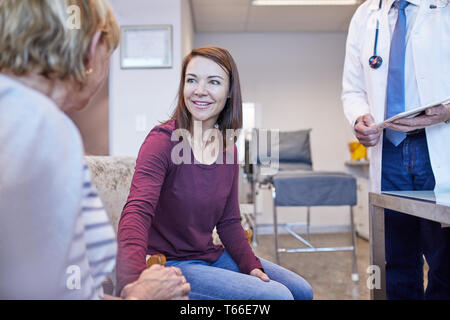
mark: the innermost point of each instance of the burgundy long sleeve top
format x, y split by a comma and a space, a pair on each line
173, 208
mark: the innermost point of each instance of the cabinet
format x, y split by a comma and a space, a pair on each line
360, 170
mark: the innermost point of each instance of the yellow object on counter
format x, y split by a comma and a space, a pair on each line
357, 151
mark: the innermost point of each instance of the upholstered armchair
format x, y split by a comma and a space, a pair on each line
112, 178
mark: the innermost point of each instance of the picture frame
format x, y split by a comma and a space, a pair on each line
146, 47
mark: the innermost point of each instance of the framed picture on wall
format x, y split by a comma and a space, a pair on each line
143, 47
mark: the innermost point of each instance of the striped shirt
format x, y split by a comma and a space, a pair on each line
94, 244
49, 247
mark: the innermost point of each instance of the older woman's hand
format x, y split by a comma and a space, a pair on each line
367, 131
158, 283
433, 115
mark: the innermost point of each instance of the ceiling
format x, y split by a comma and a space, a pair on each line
241, 16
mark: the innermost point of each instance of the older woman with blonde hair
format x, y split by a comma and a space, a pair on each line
56, 241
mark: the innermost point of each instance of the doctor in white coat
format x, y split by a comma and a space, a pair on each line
421, 161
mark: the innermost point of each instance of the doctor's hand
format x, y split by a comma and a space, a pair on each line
433, 115
367, 131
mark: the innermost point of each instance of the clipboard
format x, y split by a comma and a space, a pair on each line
413, 112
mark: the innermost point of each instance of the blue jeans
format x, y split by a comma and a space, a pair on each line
408, 238
222, 280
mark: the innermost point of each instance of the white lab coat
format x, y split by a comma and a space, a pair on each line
364, 88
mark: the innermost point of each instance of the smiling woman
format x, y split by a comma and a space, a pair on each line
209, 91
205, 90
205, 95
173, 207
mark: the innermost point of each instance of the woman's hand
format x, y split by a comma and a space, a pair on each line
433, 115
158, 283
259, 274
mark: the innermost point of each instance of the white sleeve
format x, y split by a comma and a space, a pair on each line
354, 95
40, 195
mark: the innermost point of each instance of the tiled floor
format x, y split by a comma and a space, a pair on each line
329, 273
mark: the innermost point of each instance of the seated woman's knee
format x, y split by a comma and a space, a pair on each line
274, 291
305, 292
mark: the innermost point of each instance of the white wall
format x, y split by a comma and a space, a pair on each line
296, 80
145, 92
187, 28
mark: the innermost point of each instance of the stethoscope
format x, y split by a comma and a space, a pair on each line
376, 61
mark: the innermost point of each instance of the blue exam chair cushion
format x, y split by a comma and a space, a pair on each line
314, 188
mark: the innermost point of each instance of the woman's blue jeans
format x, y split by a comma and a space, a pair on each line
222, 280
409, 238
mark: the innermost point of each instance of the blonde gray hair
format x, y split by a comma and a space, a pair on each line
35, 35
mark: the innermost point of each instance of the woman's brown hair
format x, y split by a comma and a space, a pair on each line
231, 115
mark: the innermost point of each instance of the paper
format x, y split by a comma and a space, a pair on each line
413, 112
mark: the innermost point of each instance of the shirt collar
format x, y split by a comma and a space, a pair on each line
414, 2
